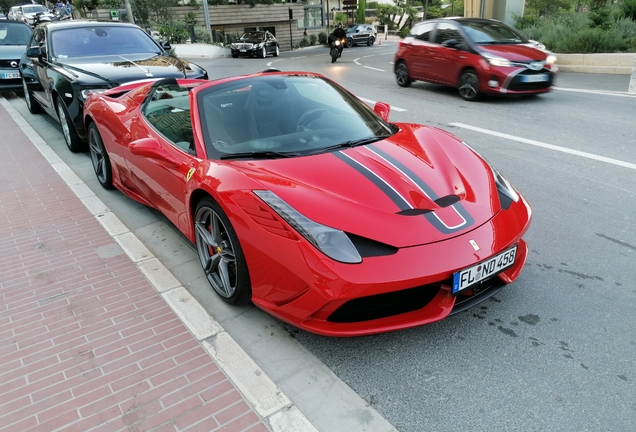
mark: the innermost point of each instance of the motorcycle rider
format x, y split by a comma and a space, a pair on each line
338, 33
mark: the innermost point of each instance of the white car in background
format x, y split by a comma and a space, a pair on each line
28, 12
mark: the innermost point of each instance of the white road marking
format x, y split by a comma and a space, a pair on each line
372, 102
548, 146
603, 92
375, 69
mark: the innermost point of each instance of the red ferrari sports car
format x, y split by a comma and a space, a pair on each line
307, 202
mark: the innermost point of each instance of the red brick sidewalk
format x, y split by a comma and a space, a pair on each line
86, 343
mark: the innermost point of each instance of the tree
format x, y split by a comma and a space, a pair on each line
157, 11
543, 8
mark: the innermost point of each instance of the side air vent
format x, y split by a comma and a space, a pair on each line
371, 248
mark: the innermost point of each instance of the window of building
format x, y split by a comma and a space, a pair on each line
313, 17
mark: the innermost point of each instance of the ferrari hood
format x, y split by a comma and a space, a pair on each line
518, 52
116, 70
419, 186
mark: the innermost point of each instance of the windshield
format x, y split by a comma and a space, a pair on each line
100, 41
254, 35
284, 115
14, 33
484, 33
33, 9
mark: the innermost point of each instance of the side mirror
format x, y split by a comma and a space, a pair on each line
34, 51
165, 45
451, 43
150, 148
382, 109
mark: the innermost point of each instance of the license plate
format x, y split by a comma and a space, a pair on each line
470, 276
243, 50
10, 75
534, 78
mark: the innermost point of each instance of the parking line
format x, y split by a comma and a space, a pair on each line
603, 92
547, 146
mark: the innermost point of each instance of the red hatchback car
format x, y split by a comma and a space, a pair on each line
475, 55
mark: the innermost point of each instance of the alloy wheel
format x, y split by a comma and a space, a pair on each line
469, 86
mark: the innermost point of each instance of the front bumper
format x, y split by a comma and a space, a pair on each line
296, 283
249, 52
517, 80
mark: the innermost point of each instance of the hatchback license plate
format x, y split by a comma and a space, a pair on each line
472, 275
10, 75
534, 78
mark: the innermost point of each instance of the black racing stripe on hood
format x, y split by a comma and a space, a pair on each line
399, 201
431, 217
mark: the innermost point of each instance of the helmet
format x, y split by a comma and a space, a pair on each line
339, 25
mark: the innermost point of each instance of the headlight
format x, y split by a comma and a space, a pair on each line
503, 186
551, 59
332, 242
337, 42
85, 92
497, 61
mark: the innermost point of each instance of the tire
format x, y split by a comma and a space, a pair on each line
277, 52
99, 157
33, 105
349, 43
468, 86
234, 55
370, 41
220, 253
264, 52
402, 74
73, 141
334, 55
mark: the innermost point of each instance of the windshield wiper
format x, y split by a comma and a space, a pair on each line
259, 155
351, 143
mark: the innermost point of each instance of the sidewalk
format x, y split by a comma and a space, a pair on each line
95, 334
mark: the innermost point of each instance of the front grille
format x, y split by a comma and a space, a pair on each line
244, 46
6, 64
483, 291
517, 85
384, 305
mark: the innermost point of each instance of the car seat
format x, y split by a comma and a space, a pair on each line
269, 111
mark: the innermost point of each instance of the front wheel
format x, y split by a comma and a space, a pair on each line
349, 43
468, 86
402, 74
33, 106
234, 55
264, 52
277, 52
99, 157
334, 54
73, 141
371, 41
220, 253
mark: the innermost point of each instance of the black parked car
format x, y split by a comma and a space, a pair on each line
66, 60
14, 36
255, 44
361, 34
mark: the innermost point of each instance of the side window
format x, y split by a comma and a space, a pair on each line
168, 111
446, 32
423, 32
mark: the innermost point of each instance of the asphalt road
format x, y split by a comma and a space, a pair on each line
555, 350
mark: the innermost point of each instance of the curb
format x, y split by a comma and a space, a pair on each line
267, 399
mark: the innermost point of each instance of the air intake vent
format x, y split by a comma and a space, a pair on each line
446, 201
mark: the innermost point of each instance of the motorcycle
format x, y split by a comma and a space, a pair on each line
336, 48
42, 17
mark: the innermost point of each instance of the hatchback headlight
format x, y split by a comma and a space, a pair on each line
497, 61
330, 241
551, 59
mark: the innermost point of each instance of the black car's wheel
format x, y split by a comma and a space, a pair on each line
277, 51
370, 41
73, 141
264, 52
99, 157
402, 74
468, 86
349, 43
234, 55
33, 106
220, 253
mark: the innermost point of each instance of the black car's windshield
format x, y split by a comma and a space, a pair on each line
253, 36
492, 33
13, 33
279, 115
98, 41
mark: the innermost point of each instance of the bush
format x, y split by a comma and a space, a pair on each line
593, 40
174, 32
628, 9
303, 43
322, 38
313, 39
404, 31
